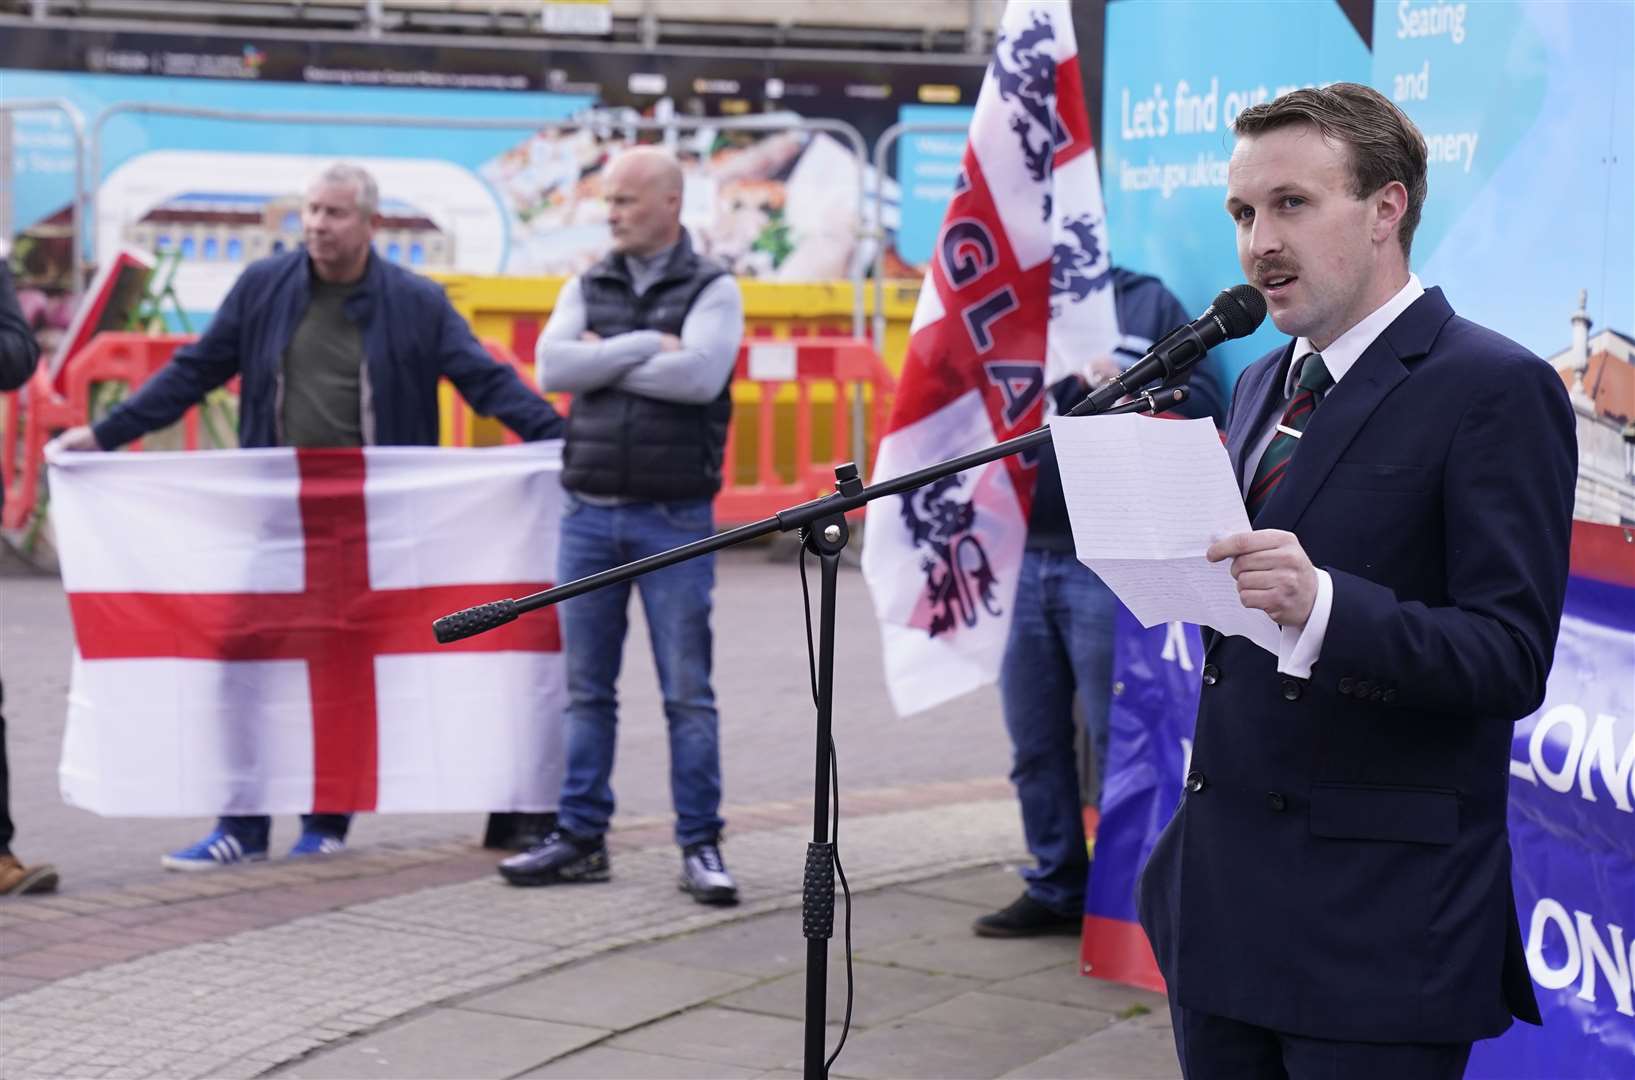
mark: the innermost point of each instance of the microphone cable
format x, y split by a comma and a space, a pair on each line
834, 811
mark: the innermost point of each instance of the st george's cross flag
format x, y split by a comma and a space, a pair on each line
253, 630
1017, 296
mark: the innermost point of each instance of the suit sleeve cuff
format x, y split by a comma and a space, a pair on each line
115, 430
1299, 646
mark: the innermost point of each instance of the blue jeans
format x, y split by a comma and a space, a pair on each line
1061, 640
676, 602
253, 830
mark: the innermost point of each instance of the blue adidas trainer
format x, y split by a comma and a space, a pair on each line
221, 848
317, 843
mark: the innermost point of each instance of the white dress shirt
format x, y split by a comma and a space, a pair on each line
1300, 646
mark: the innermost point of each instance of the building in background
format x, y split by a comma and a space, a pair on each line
238, 229
1599, 371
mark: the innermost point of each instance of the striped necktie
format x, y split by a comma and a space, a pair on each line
1313, 383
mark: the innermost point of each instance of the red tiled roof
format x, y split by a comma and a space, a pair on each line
1610, 383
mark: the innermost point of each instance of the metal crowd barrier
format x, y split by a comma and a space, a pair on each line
882, 149
797, 403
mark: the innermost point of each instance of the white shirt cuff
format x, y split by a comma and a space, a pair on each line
1299, 646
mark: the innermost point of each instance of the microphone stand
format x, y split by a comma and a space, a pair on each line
822, 526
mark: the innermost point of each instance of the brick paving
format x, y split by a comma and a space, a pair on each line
52, 937
235, 972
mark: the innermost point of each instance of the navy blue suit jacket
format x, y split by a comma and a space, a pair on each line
412, 337
1339, 866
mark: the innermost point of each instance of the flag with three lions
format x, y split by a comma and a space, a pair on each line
253, 630
1018, 295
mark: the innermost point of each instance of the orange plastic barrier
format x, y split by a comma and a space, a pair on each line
762, 476
781, 448
132, 359
129, 358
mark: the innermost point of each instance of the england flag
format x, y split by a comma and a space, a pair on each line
1018, 295
253, 630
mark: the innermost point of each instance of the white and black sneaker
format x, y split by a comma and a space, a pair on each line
562, 859
705, 876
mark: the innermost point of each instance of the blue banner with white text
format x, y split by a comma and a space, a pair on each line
1572, 820
1572, 830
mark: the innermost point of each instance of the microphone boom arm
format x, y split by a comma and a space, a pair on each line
850, 494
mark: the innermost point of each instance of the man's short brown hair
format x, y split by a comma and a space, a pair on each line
1384, 145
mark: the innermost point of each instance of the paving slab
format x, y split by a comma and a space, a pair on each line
448, 1044
617, 992
763, 946
1068, 987
882, 993
773, 944
989, 888
1124, 1051
887, 918
960, 952
982, 1011
612, 1063
910, 1049
726, 1036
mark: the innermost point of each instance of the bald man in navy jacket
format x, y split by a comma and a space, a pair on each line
1332, 898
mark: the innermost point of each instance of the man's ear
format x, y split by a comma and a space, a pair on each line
1390, 203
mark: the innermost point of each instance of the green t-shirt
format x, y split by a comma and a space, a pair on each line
323, 373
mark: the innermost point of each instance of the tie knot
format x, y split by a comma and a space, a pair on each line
1314, 374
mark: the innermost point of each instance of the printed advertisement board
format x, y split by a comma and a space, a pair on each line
513, 197
1526, 109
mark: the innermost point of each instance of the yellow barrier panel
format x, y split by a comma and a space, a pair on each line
496, 306
513, 310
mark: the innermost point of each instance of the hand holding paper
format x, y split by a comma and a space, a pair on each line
1273, 573
1146, 498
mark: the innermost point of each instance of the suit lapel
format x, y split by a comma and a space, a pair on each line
1349, 405
1258, 395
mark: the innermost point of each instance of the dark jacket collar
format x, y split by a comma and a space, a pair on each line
374, 271
1347, 407
681, 265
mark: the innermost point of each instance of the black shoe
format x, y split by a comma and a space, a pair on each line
1026, 918
562, 859
705, 876
518, 831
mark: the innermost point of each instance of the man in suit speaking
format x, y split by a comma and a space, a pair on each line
1332, 898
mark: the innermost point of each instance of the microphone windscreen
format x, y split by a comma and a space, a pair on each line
1241, 309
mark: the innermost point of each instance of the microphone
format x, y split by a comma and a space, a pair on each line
1234, 313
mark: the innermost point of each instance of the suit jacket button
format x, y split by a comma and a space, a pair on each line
1291, 690
1212, 675
1195, 782
1275, 800
1346, 683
